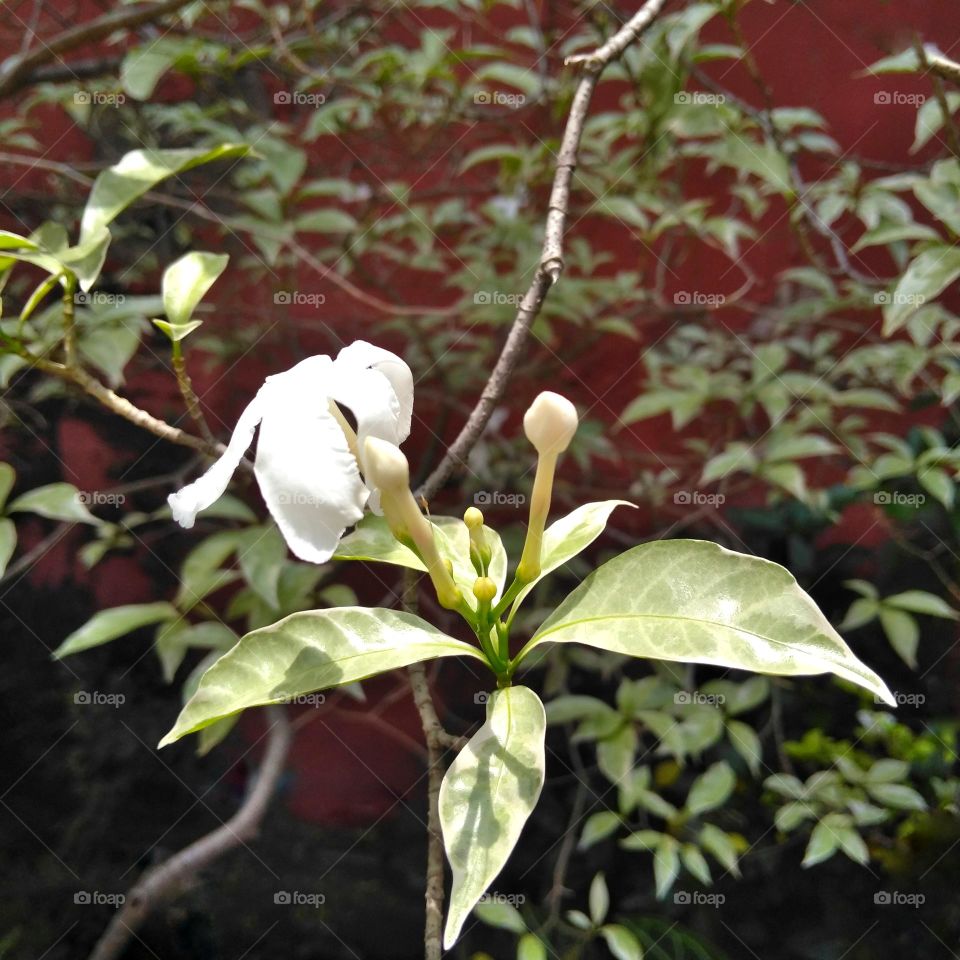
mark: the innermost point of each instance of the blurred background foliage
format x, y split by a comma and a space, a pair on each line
757, 321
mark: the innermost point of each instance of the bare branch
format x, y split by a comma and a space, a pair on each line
551, 257
170, 878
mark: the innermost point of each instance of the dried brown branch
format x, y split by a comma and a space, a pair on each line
169, 879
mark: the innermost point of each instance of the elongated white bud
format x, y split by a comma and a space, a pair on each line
550, 423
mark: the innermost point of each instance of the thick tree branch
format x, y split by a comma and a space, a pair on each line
551, 256
170, 878
16, 72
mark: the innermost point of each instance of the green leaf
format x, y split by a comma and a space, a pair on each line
711, 790
938, 484
666, 864
695, 863
107, 625
746, 742
262, 553
372, 540
174, 639
694, 601
326, 221
718, 844
928, 275
530, 948
824, 841
143, 67
55, 501
570, 535
598, 827
184, 284
309, 651
8, 477
139, 171
920, 601
487, 795
621, 942
8, 543
498, 913
903, 633
599, 899
896, 795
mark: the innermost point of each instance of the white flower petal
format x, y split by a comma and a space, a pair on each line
307, 474
186, 503
363, 355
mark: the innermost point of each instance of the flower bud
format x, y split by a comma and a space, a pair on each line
550, 423
484, 589
385, 465
473, 518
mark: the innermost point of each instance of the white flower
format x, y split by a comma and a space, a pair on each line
308, 459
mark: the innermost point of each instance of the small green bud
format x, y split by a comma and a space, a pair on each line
473, 518
484, 589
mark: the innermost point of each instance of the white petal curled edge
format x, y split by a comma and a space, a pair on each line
360, 355
307, 475
186, 503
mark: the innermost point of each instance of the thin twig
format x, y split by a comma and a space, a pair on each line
551, 261
169, 879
